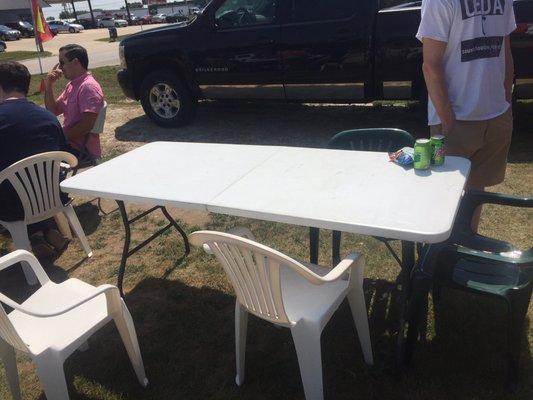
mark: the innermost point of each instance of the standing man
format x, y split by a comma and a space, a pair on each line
468, 68
80, 102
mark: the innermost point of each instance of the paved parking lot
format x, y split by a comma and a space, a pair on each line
100, 53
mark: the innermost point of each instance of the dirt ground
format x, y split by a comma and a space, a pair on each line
306, 125
160, 282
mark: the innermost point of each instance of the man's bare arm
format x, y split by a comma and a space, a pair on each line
509, 70
82, 128
49, 97
433, 68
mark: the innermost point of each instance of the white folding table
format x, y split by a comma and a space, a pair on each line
350, 191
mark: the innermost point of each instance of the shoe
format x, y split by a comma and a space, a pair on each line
41, 249
56, 239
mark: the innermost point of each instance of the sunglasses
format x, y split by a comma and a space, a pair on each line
62, 63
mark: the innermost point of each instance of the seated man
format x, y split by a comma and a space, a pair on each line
80, 102
25, 130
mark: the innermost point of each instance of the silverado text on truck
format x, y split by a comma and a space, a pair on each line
292, 50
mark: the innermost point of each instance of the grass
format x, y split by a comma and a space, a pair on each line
22, 55
106, 76
183, 307
119, 38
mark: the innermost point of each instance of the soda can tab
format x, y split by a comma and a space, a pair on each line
422, 154
437, 147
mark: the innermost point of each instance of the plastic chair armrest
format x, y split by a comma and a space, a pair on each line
481, 243
347, 264
24, 255
476, 198
462, 233
36, 313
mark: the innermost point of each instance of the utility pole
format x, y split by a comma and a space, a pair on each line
92, 14
128, 10
73, 9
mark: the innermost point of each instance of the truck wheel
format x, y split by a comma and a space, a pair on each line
166, 100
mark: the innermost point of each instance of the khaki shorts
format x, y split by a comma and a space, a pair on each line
484, 143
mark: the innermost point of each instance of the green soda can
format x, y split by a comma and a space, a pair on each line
437, 153
422, 154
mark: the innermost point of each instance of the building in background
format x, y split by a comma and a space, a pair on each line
184, 7
17, 10
151, 2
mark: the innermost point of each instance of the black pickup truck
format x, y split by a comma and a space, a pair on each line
291, 50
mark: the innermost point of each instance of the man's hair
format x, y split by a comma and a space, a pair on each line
14, 77
73, 51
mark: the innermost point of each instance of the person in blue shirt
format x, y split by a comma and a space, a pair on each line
25, 130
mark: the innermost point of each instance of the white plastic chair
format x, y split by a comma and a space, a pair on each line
55, 321
85, 159
98, 126
36, 181
300, 296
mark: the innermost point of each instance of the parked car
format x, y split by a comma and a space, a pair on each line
86, 23
7, 33
3, 46
134, 20
25, 28
286, 50
159, 18
62, 26
177, 17
146, 19
110, 22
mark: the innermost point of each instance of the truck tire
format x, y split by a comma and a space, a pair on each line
166, 100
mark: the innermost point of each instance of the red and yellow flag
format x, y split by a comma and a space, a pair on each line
42, 30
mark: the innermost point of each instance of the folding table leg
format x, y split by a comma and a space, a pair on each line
126, 248
126, 251
179, 229
408, 262
314, 235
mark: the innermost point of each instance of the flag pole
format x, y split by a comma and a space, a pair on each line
38, 44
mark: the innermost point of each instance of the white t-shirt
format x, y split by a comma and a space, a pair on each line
474, 60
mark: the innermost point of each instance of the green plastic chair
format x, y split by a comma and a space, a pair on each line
372, 139
481, 265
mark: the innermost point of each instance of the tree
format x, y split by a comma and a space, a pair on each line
66, 15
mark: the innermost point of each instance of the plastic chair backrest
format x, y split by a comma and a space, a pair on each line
254, 271
98, 126
373, 139
36, 181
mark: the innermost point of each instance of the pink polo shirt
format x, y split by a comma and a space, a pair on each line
82, 94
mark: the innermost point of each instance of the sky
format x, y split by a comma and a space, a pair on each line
83, 5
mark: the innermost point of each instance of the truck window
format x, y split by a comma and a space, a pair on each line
322, 10
239, 13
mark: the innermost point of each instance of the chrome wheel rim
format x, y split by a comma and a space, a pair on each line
164, 101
